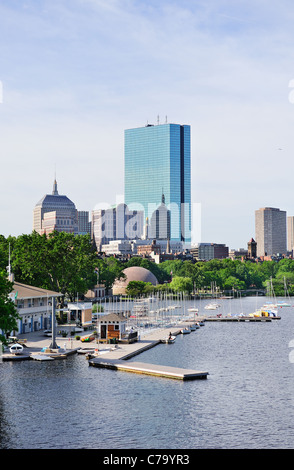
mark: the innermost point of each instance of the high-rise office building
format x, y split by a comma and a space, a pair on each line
55, 212
158, 161
290, 233
270, 231
84, 224
116, 223
159, 227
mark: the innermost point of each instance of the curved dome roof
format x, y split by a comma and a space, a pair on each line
134, 273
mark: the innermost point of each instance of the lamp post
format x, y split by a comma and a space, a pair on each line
53, 344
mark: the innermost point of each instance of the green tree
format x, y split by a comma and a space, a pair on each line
61, 261
233, 282
137, 288
109, 269
8, 312
181, 284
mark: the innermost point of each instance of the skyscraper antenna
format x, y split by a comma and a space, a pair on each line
158, 119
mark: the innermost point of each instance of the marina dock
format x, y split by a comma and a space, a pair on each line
241, 319
149, 369
117, 359
113, 357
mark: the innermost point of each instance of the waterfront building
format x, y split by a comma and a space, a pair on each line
208, 251
270, 231
55, 212
80, 312
112, 327
157, 161
116, 223
34, 307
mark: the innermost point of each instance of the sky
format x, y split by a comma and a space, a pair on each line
74, 74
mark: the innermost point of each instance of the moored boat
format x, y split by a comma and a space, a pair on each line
185, 330
16, 348
212, 306
170, 339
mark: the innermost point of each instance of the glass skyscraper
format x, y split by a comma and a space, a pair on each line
157, 163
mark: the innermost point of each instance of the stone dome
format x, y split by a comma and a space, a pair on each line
134, 273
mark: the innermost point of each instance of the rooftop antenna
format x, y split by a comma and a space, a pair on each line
157, 119
165, 119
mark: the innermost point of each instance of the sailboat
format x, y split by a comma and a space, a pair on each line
284, 303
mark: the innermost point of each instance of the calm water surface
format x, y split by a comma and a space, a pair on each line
246, 401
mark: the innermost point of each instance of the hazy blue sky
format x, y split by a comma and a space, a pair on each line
76, 73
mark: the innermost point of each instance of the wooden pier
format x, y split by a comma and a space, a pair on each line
149, 369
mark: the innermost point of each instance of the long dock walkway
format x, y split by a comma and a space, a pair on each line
117, 359
149, 369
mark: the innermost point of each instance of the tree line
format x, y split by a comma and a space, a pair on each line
69, 264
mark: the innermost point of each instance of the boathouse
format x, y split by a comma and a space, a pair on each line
80, 312
112, 327
34, 306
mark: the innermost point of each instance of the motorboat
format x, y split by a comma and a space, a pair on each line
186, 330
211, 306
193, 327
16, 348
170, 339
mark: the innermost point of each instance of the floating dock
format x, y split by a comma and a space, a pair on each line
241, 319
117, 359
149, 369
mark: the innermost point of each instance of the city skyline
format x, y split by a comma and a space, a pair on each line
75, 75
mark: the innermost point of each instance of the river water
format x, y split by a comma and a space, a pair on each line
245, 403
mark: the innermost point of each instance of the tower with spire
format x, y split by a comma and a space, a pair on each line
55, 192
55, 212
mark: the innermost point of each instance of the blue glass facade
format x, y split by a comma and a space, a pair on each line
158, 161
